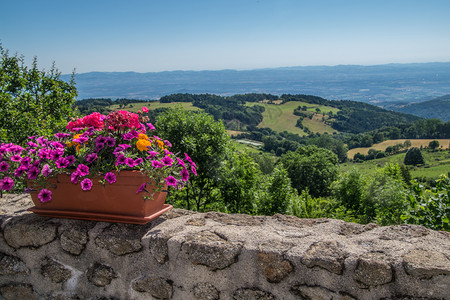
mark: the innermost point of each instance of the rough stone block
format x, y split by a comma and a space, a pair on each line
206, 291
121, 239
158, 287
252, 294
74, 236
18, 291
11, 265
54, 270
373, 269
209, 249
100, 275
29, 231
426, 263
327, 255
274, 267
318, 293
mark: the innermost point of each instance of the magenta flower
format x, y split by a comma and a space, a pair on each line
180, 162
141, 188
144, 109
150, 126
157, 164
90, 158
16, 158
152, 154
124, 146
171, 181
32, 173
121, 159
188, 158
194, 170
130, 162
128, 136
4, 166
86, 184
110, 177
70, 160
138, 161
184, 174
74, 177
61, 135
19, 171
167, 143
45, 195
110, 141
167, 161
46, 170
61, 163
6, 184
100, 140
54, 155
83, 170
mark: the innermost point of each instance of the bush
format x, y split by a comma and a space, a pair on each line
414, 157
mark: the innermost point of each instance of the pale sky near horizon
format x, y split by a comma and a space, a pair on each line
165, 35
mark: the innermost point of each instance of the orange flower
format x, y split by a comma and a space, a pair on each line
160, 144
142, 136
143, 144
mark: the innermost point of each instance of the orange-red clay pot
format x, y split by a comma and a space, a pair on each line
117, 202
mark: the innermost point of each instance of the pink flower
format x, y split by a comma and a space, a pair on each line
167, 161
150, 126
144, 109
6, 184
110, 177
86, 184
184, 174
180, 162
83, 170
45, 195
141, 188
171, 181
74, 177
46, 170
194, 170
157, 164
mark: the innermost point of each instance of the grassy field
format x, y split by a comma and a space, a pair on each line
436, 163
382, 146
280, 117
156, 104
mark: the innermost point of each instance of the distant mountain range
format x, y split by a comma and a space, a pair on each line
438, 108
375, 84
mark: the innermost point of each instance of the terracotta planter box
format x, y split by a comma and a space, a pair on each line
117, 202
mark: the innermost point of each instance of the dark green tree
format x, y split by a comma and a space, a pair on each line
414, 157
433, 145
32, 102
311, 167
206, 141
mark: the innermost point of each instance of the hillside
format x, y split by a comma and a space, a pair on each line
438, 108
380, 83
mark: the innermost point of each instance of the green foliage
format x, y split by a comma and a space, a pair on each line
265, 161
278, 193
414, 157
306, 206
349, 189
239, 182
431, 207
32, 102
311, 167
206, 141
433, 145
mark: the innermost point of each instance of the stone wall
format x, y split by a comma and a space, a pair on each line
185, 255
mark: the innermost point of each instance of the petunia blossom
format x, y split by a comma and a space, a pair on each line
4, 166
184, 174
86, 184
141, 188
45, 195
157, 164
171, 181
6, 183
167, 161
83, 170
110, 177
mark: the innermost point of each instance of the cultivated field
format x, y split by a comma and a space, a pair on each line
382, 146
280, 117
436, 163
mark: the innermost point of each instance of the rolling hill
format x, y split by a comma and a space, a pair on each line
438, 108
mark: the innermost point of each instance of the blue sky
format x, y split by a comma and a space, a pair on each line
164, 35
